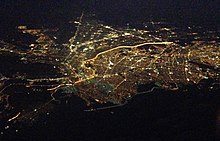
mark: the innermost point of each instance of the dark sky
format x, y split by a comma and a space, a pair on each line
182, 11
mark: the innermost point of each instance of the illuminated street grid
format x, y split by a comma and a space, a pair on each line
105, 64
